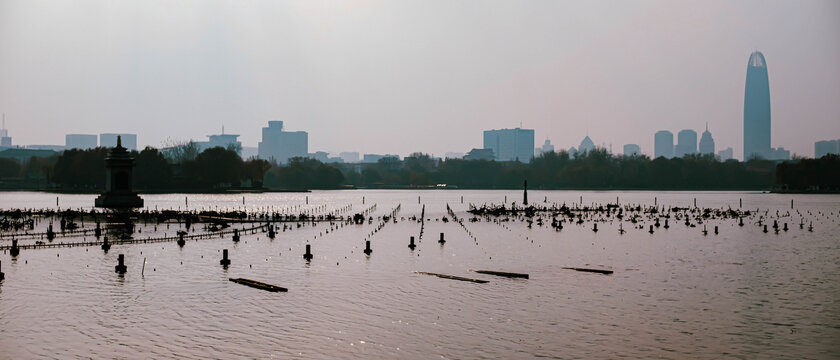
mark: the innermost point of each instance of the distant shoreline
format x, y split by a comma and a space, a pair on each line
252, 191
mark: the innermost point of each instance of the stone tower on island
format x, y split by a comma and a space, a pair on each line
118, 190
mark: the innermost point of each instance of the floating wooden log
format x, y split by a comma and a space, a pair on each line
502, 273
452, 277
258, 285
599, 271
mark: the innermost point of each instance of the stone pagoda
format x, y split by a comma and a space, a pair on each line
118, 168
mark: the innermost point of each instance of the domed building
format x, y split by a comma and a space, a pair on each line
707, 144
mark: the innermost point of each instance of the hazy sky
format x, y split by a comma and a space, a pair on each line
404, 76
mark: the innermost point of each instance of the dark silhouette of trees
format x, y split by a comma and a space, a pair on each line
215, 168
219, 169
255, 170
81, 169
9, 168
305, 173
152, 171
821, 174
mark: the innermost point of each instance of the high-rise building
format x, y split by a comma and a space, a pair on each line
373, 158
632, 150
707, 144
227, 141
757, 109
349, 156
725, 154
5, 139
480, 154
686, 143
825, 147
586, 145
80, 141
453, 155
129, 141
547, 147
778, 153
510, 144
663, 144
279, 145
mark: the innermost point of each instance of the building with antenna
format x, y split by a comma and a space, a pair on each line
707, 143
5, 139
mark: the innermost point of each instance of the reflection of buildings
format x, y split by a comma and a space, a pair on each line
510, 144
757, 109
79, 141
663, 144
129, 141
825, 147
280, 145
632, 150
686, 143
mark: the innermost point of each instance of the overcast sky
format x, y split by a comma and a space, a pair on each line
405, 76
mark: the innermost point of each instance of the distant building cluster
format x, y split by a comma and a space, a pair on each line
825, 147
279, 145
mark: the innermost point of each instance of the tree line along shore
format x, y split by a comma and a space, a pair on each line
223, 170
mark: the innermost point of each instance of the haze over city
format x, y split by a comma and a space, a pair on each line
399, 77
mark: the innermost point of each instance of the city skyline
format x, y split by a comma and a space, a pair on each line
615, 71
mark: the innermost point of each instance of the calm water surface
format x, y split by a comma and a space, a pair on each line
674, 294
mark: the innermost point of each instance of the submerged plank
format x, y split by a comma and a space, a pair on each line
258, 285
599, 271
502, 273
452, 277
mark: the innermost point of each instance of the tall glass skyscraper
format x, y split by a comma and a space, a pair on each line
757, 109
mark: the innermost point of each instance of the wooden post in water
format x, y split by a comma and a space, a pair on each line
411, 243
2, 275
525, 194
367, 247
120, 268
308, 254
14, 251
225, 261
441, 239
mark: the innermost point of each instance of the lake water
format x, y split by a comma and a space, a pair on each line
676, 293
